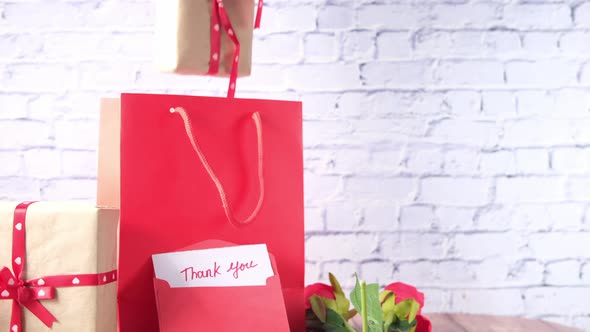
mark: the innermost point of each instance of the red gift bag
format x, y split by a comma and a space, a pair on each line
198, 168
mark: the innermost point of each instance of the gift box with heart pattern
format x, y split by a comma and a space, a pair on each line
64, 239
183, 32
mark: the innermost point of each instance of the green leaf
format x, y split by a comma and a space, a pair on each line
365, 299
399, 317
387, 299
335, 322
374, 313
333, 318
342, 303
351, 313
384, 295
312, 322
402, 326
318, 307
355, 297
389, 320
407, 310
335, 285
358, 299
329, 303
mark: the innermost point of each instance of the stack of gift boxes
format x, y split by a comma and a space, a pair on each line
169, 179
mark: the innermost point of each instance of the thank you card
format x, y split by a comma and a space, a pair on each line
246, 265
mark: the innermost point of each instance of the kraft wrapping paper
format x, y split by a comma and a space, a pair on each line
66, 238
182, 36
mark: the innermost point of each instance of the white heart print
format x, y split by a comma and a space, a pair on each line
41, 293
11, 282
5, 293
14, 328
19, 226
18, 261
104, 279
76, 281
41, 282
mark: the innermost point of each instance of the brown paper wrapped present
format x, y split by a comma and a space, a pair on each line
187, 35
108, 194
68, 267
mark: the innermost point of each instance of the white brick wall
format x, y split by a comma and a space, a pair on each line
446, 143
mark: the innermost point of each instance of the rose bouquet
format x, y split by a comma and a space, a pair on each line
395, 309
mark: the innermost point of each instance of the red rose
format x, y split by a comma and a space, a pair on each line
423, 325
404, 291
319, 289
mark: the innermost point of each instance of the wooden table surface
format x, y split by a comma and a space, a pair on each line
485, 323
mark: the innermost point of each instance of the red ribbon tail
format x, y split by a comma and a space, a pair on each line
215, 43
233, 77
231, 33
258, 15
41, 312
16, 318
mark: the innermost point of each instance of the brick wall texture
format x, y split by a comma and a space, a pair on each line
447, 143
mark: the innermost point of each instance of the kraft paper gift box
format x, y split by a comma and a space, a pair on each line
191, 38
108, 192
72, 246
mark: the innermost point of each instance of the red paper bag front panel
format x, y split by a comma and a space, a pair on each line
169, 201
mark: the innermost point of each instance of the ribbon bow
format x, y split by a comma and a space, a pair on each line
29, 293
26, 295
219, 18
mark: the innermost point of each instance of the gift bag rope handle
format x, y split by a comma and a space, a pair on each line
222, 195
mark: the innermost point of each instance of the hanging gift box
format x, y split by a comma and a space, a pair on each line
205, 37
58, 273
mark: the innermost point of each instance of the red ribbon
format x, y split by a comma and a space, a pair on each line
220, 18
29, 293
258, 15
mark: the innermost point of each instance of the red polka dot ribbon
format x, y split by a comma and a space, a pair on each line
220, 19
29, 293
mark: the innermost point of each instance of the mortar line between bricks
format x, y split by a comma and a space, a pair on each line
7, 30
450, 147
60, 178
421, 260
566, 56
420, 88
146, 60
508, 287
411, 90
52, 148
454, 232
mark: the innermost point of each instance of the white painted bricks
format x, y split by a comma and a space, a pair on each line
446, 143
